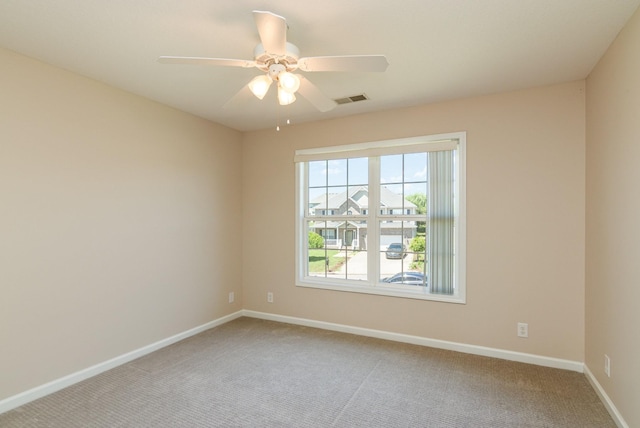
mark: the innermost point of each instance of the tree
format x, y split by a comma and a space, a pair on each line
418, 244
420, 201
315, 240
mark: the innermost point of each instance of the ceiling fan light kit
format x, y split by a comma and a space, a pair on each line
279, 59
259, 85
289, 82
285, 97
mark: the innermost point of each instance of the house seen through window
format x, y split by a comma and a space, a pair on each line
383, 218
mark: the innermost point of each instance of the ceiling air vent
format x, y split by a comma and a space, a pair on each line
351, 99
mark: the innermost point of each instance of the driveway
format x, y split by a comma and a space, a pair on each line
356, 266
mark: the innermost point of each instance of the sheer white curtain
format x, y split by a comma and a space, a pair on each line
441, 212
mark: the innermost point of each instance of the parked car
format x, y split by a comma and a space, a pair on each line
407, 278
396, 251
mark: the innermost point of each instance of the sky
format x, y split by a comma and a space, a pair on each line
396, 171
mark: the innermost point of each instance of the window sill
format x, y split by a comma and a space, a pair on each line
407, 292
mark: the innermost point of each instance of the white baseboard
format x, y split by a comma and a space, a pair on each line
539, 360
611, 408
63, 382
58, 384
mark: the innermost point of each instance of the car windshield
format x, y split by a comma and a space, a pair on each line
395, 246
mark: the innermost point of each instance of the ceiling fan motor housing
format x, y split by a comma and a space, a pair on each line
264, 60
275, 70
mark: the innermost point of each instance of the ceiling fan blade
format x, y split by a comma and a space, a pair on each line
311, 92
273, 32
365, 63
240, 99
225, 62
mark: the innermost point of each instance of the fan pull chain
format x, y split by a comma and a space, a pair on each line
278, 117
288, 107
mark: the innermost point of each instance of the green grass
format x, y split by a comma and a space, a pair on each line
317, 260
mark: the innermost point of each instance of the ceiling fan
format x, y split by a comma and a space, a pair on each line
279, 59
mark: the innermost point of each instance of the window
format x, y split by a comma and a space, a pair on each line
397, 217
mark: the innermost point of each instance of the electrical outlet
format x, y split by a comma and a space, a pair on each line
232, 297
270, 297
523, 329
607, 365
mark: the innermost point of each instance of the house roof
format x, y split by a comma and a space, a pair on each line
437, 50
356, 225
360, 196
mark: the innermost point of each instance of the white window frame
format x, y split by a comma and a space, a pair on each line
373, 150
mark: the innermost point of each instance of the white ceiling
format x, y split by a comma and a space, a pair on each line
437, 49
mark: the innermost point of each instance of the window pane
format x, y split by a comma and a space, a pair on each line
337, 200
356, 266
337, 250
317, 200
316, 248
327, 201
391, 169
337, 172
417, 248
392, 248
328, 196
403, 189
317, 173
354, 240
391, 199
331, 246
416, 197
415, 167
358, 172
396, 256
327, 231
357, 201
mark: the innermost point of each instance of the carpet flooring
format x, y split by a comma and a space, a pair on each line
256, 373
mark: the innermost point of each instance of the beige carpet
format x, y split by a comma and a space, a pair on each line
254, 373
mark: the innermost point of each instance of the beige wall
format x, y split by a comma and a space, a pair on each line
613, 221
525, 221
119, 222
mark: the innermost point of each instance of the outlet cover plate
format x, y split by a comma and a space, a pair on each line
523, 329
